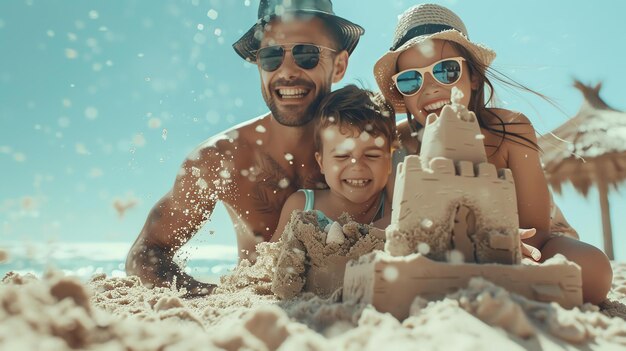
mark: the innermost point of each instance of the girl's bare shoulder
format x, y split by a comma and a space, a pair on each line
510, 128
506, 120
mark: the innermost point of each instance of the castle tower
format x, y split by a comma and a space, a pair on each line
449, 203
455, 135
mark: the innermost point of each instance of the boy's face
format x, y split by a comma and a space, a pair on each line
356, 164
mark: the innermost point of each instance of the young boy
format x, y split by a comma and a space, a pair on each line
354, 135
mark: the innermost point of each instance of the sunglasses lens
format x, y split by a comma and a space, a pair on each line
270, 58
409, 82
447, 72
306, 56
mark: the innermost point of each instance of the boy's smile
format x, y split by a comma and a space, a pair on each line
355, 164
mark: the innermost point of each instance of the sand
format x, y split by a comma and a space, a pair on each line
313, 260
61, 313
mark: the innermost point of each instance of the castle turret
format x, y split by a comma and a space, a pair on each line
454, 135
449, 201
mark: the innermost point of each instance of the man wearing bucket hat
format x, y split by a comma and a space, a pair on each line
300, 47
430, 55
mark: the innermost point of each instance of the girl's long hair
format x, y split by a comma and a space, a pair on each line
481, 104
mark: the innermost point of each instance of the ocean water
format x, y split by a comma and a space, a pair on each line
206, 263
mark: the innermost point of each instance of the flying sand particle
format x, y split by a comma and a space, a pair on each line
423, 248
91, 113
19, 157
427, 48
390, 273
122, 206
283, 183
154, 122
347, 145
379, 141
225, 174
202, 184
71, 53
139, 140
212, 14
455, 257
426, 223
195, 171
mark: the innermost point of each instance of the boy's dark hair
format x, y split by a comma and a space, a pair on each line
353, 107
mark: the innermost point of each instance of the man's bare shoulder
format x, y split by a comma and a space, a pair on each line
232, 144
215, 164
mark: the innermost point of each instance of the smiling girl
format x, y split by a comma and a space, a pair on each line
431, 53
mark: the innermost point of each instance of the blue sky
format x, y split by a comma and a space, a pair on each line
100, 101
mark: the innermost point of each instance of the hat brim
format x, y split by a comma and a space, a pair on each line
250, 42
385, 67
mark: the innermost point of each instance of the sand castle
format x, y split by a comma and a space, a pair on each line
450, 200
312, 260
454, 217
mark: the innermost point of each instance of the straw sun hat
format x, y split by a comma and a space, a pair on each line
249, 43
417, 25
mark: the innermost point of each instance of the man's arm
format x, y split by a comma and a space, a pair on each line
174, 220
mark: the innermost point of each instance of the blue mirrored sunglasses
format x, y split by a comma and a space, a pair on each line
447, 71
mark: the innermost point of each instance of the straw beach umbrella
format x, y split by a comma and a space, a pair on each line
589, 149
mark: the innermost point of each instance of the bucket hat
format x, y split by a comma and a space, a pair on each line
249, 43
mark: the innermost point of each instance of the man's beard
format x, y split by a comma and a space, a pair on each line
296, 118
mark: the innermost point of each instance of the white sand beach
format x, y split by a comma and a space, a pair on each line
61, 313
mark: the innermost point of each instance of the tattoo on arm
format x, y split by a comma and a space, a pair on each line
268, 196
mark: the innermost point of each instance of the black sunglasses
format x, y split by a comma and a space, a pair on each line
306, 56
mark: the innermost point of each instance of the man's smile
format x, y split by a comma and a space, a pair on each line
292, 93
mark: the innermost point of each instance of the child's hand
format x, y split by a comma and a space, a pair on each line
528, 250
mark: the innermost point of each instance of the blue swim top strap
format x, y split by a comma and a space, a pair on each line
309, 197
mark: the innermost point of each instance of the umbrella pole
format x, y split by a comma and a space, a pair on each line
603, 191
